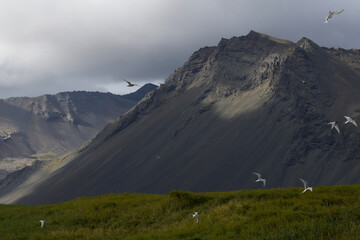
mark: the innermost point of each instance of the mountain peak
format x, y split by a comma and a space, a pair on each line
307, 45
238, 63
253, 34
261, 36
141, 92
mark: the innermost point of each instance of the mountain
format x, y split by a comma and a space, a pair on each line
251, 103
56, 124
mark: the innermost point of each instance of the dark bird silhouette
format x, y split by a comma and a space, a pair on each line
129, 84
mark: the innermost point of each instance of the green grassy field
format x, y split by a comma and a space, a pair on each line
326, 213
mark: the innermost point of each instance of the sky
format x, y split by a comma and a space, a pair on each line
49, 46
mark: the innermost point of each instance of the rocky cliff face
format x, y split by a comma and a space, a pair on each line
252, 103
73, 107
56, 124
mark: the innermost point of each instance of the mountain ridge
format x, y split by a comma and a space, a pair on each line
252, 103
57, 124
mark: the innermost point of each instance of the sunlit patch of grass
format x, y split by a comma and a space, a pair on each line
326, 213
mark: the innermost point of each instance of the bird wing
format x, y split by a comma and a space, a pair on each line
331, 14
257, 174
127, 81
264, 181
304, 182
337, 128
337, 12
352, 121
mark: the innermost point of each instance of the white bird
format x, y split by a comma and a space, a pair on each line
331, 14
7, 136
129, 84
306, 185
350, 120
196, 214
42, 223
260, 179
334, 125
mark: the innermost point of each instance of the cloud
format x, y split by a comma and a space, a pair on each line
47, 46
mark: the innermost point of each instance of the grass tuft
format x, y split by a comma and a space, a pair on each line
180, 200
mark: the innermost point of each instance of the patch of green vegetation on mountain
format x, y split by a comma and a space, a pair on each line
327, 213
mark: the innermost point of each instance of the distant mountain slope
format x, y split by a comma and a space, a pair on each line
58, 123
252, 103
140, 93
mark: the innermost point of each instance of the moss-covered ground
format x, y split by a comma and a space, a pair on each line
327, 213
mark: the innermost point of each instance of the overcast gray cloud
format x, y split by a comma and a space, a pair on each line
47, 46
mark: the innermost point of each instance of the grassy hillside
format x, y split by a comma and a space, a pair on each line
327, 213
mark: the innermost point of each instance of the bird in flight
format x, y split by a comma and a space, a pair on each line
260, 179
331, 14
196, 214
7, 136
350, 120
129, 84
334, 125
306, 185
42, 223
